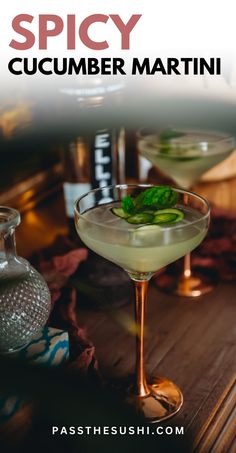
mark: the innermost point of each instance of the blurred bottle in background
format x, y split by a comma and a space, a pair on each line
92, 161
76, 168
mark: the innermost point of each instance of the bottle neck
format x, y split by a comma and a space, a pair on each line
7, 245
10, 265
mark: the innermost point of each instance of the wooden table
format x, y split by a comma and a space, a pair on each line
191, 342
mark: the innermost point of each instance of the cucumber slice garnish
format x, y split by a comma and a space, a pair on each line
164, 218
140, 218
119, 212
170, 215
149, 211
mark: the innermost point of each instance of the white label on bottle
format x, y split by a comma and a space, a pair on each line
102, 165
144, 167
72, 191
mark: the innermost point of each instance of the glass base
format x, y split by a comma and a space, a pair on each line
194, 286
164, 400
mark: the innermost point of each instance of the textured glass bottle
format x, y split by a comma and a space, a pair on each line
24, 296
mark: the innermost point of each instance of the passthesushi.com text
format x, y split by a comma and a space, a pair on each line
117, 430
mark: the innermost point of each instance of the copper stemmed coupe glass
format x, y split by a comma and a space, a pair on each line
141, 250
185, 155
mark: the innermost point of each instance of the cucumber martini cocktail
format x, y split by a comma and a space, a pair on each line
142, 228
185, 156
143, 247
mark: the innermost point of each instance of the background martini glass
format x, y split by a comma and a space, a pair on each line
141, 250
185, 156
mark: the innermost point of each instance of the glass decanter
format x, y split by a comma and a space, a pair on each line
24, 296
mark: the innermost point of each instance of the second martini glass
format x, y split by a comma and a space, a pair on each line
185, 156
141, 250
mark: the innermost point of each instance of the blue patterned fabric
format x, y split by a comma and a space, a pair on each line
49, 348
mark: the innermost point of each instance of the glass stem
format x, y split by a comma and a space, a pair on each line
187, 266
141, 288
187, 259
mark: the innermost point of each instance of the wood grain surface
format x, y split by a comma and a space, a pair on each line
192, 342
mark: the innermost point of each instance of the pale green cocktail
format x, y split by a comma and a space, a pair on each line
140, 249
187, 157
143, 228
